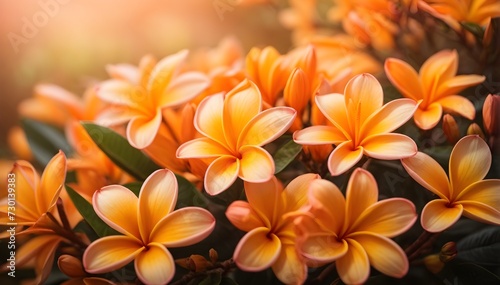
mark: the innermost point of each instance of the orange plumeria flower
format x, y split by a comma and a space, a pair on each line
355, 232
270, 241
149, 223
465, 192
234, 128
436, 87
142, 95
360, 125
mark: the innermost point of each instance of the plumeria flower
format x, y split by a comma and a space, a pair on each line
465, 192
355, 232
141, 97
148, 224
436, 87
234, 128
270, 241
360, 125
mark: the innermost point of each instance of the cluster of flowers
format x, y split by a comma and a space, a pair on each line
214, 117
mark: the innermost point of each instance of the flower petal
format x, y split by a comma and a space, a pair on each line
389, 217
354, 267
389, 146
384, 254
319, 135
164, 71
404, 78
438, 215
361, 193
323, 247
27, 180
470, 161
242, 215
34, 247
289, 267
267, 126
428, 173
257, 250
334, 108
155, 265
110, 253
183, 227
323, 194
458, 83
221, 174
458, 105
141, 131
296, 191
428, 118
117, 207
481, 212
51, 183
437, 69
265, 199
115, 116
388, 118
201, 148
118, 92
157, 199
485, 191
182, 88
363, 96
208, 118
343, 157
256, 164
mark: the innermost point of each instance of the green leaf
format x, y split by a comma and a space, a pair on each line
88, 213
470, 273
117, 148
482, 247
45, 140
212, 279
134, 187
189, 195
285, 155
474, 28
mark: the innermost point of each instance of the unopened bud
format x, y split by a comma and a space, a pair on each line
448, 252
214, 256
450, 129
71, 266
491, 115
474, 129
195, 262
433, 263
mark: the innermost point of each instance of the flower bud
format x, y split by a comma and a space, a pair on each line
214, 256
195, 262
450, 129
433, 263
71, 266
474, 129
448, 252
491, 115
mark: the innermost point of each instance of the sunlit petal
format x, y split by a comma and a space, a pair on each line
256, 164
319, 135
384, 254
324, 247
221, 174
470, 161
208, 118
244, 217
117, 207
117, 92
438, 215
485, 191
141, 131
389, 146
165, 70
51, 183
183, 227
114, 116
110, 253
390, 117
458, 83
183, 88
404, 78
363, 96
334, 108
257, 250
428, 118
297, 191
155, 265
125, 72
458, 105
323, 194
157, 199
362, 192
201, 148
437, 69
289, 267
27, 180
343, 157
428, 173
481, 212
354, 267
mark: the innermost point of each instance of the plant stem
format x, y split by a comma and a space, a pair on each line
220, 267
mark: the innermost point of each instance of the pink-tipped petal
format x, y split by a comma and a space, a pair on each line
201, 148
323, 194
155, 265
118, 92
362, 192
183, 227
27, 180
256, 164
257, 250
183, 88
265, 199
363, 97
390, 117
428, 118
290, 268
319, 135
438, 215
436, 70
244, 217
163, 72
323, 247
458, 105
344, 157
114, 116
458, 83
485, 191
110, 253
389, 146
296, 191
221, 174
404, 78
141, 131
51, 183
333, 107
481, 212
208, 118
354, 266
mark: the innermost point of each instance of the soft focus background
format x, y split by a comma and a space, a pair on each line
71, 47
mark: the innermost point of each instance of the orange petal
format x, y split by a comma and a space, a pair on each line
157, 199
267, 126
390, 117
141, 131
323, 247
51, 183
265, 199
458, 83
334, 108
118, 92
485, 191
361, 193
155, 265
257, 250
114, 116
458, 105
242, 215
256, 164
428, 118
208, 118
436, 70
182, 88
126, 72
343, 157
438, 215
56, 94
165, 70
110, 253
481, 212
323, 194
221, 174
296, 191
384, 254
27, 181
404, 78
428, 173
354, 266
319, 135
470, 161
34, 248
117, 207
389, 146
183, 227
363, 96
44, 259
389, 218
201, 148
290, 267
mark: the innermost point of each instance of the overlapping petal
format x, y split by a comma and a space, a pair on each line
334, 108
221, 174
362, 192
202, 148
183, 88
404, 77
155, 265
438, 215
289, 267
389, 146
428, 118
141, 131
51, 183
257, 250
354, 266
322, 194
324, 247
459, 105
265, 199
363, 96
244, 217
208, 118
390, 117
319, 135
256, 164
481, 212
343, 157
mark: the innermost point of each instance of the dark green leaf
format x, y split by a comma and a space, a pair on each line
474, 28
285, 155
189, 195
117, 148
88, 213
212, 279
469, 273
134, 187
482, 247
45, 140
